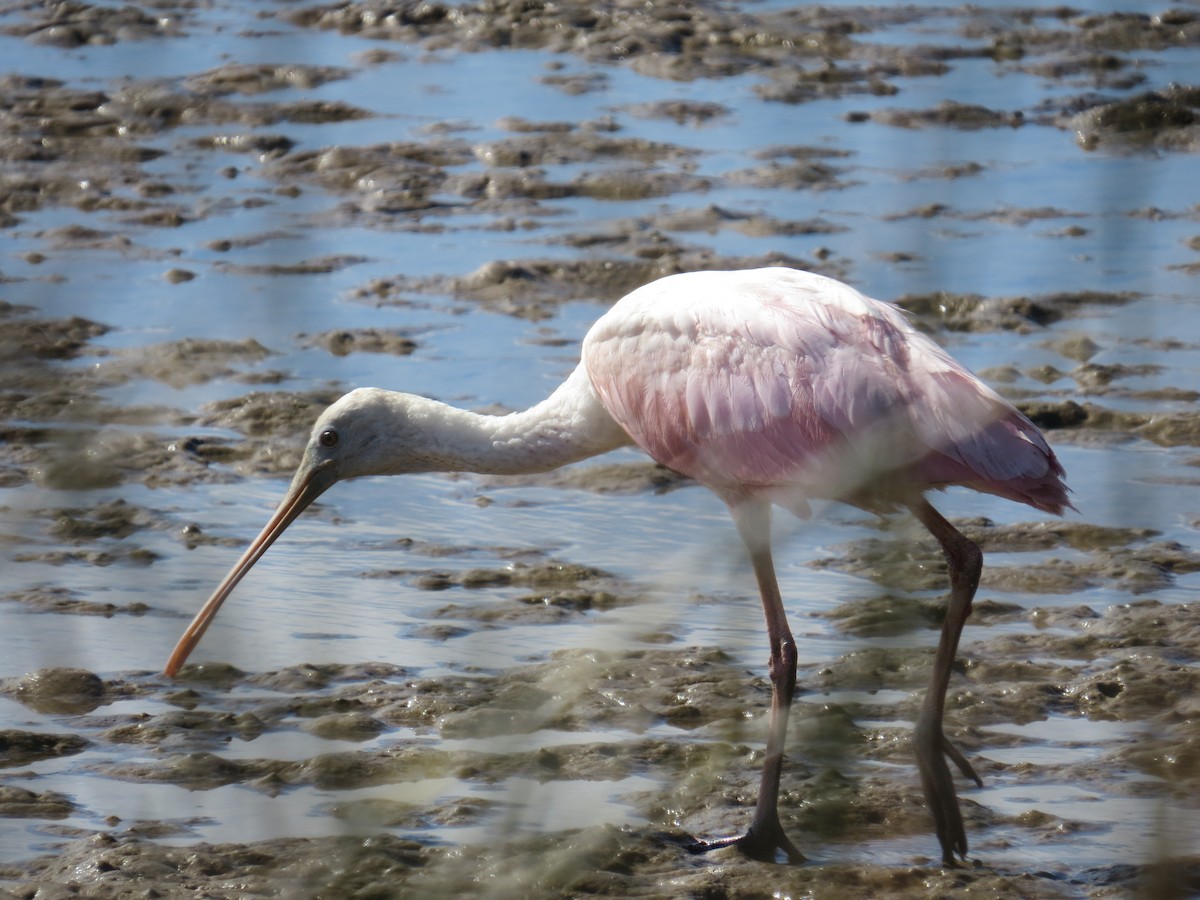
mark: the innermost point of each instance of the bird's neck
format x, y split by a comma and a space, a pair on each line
569, 425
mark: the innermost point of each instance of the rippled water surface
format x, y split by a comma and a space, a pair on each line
1032, 207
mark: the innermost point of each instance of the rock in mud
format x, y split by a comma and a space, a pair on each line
269, 413
363, 340
949, 113
1168, 429
972, 312
187, 728
59, 691
1115, 557
75, 24
351, 726
67, 602
181, 363
47, 338
19, 748
260, 78
20, 803
213, 674
114, 519
1168, 120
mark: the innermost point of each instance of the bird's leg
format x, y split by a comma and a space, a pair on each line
765, 836
965, 562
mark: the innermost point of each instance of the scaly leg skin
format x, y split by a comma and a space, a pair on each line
965, 562
765, 838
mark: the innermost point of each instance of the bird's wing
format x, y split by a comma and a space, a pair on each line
752, 390
791, 385
977, 438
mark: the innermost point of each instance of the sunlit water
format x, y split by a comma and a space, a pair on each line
308, 601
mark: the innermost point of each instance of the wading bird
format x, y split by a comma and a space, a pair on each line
770, 387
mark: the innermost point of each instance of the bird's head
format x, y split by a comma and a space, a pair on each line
366, 432
369, 432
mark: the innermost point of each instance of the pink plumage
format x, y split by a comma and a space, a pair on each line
789, 385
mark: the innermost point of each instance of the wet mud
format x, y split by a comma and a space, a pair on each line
122, 156
1127, 664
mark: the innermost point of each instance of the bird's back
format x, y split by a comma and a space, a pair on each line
790, 385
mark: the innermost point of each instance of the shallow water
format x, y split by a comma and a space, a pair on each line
1040, 215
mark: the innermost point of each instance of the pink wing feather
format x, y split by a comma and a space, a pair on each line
790, 385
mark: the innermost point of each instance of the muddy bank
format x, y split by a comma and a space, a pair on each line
1127, 559
1125, 664
235, 188
109, 136
602, 862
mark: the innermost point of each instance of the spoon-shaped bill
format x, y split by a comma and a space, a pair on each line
309, 483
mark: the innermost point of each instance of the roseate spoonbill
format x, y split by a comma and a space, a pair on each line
770, 387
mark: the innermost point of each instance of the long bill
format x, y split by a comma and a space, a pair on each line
308, 484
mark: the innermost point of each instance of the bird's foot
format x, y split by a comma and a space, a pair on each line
761, 842
932, 749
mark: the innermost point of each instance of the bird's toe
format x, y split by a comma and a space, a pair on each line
961, 761
764, 844
940, 795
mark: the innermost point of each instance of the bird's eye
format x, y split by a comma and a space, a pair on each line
328, 438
